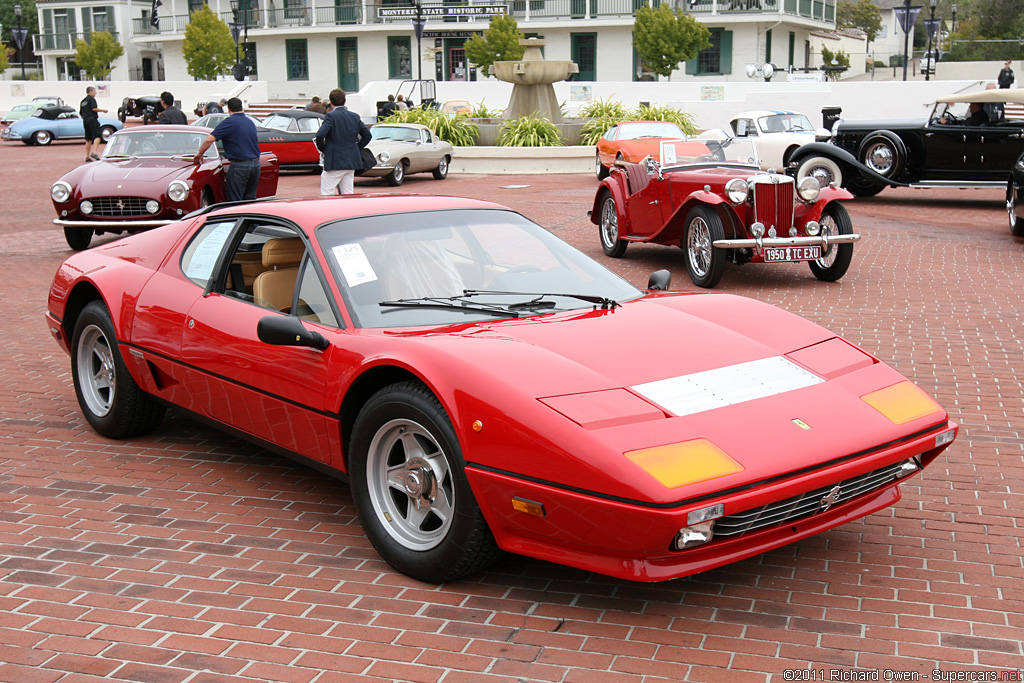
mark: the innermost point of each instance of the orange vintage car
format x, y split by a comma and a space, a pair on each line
634, 141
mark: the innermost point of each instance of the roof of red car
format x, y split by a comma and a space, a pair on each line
312, 211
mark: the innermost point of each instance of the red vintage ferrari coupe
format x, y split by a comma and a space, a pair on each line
146, 178
439, 355
709, 197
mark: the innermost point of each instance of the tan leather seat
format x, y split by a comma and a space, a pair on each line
275, 288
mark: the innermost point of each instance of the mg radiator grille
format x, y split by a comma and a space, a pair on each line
773, 205
805, 505
116, 207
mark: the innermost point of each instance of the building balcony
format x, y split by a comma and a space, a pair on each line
61, 42
349, 12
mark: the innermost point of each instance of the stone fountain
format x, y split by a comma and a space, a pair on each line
532, 79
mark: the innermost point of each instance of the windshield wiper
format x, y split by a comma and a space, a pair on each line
602, 301
453, 303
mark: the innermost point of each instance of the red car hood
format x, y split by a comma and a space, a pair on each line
135, 170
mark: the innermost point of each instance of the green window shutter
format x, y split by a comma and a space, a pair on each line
691, 66
47, 21
87, 19
768, 45
71, 21
111, 22
725, 52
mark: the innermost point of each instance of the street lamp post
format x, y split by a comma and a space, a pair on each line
238, 70
20, 40
931, 59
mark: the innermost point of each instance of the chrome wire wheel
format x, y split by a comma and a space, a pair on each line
829, 229
698, 246
880, 157
609, 224
409, 481
96, 371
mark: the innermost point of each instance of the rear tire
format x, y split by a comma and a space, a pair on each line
860, 187
1016, 223
821, 168
835, 260
106, 132
441, 172
78, 238
110, 399
42, 137
600, 170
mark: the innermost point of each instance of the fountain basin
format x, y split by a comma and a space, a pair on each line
530, 72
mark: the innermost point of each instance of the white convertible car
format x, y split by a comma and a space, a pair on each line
779, 133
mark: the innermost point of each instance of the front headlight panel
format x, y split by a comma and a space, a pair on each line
384, 157
808, 188
60, 192
737, 190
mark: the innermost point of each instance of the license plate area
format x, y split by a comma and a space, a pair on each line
776, 254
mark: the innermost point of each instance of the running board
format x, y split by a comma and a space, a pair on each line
959, 184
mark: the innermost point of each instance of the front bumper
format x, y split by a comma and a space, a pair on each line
122, 225
760, 243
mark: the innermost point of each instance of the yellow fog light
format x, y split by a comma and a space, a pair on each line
679, 464
902, 403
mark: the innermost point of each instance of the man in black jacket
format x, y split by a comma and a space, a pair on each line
1005, 79
341, 137
170, 113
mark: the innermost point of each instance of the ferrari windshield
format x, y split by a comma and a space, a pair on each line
649, 129
449, 267
144, 142
784, 123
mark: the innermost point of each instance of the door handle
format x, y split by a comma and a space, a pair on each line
654, 202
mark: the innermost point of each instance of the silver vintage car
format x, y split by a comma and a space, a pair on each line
402, 148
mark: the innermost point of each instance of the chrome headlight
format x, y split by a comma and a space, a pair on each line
737, 190
60, 192
153, 206
177, 191
809, 189
384, 157
85, 207
813, 228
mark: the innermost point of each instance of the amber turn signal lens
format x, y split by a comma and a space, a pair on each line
902, 403
679, 464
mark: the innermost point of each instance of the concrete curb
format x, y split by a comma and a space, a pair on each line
523, 160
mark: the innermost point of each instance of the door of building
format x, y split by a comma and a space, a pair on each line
348, 65
457, 64
584, 53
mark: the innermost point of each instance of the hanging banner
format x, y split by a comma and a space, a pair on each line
932, 26
907, 16
154, 17
19, 34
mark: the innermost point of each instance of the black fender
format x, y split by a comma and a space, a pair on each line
843, 157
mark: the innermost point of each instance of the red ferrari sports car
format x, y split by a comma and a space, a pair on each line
709, 197
633, 141
146, 178
439, 354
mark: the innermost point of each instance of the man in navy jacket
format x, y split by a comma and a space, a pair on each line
341, 137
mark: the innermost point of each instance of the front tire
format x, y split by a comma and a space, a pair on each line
600, 170
704, 263
835, 260
42, 137
609, 228
110, 399
822, 169
397, 175
1016, 223
861, 187
78, 238
410, 488
441, 172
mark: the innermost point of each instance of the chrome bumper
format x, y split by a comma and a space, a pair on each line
114, 224
760, 243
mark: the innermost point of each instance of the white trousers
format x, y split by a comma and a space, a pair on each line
337, 182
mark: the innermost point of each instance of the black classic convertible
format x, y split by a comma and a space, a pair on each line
967, 141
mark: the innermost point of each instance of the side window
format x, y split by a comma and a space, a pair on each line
264, 266
611, 133
313, 303
309, 125
200, 256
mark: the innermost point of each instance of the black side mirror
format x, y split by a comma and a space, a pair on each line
659, 281
287, 330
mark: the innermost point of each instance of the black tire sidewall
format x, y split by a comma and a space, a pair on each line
717, 232
449, 559
619, 247
78, 238
844, 255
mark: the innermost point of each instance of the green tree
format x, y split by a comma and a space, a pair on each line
208, 48
834, 58
863, 15
29, 18
499, 43
4, 57
96, 56
665, 37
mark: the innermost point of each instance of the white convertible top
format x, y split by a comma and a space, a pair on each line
1015, 95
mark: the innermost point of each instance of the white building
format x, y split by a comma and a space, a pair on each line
307, 47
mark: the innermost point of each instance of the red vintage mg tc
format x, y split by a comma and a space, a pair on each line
709, 197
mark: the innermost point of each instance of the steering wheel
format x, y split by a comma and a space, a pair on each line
148, 147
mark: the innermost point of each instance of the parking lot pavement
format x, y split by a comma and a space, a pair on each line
192, 556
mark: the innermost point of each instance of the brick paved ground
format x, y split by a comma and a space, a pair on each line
191, 556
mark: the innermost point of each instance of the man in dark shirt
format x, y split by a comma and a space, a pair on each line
978, 115
241, 147
170, 113
89, 110
341, 137
1005, 78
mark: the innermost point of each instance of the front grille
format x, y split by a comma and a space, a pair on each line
773, 204
117, 207
805, 505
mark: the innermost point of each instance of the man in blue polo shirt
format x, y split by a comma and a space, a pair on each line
241, 147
